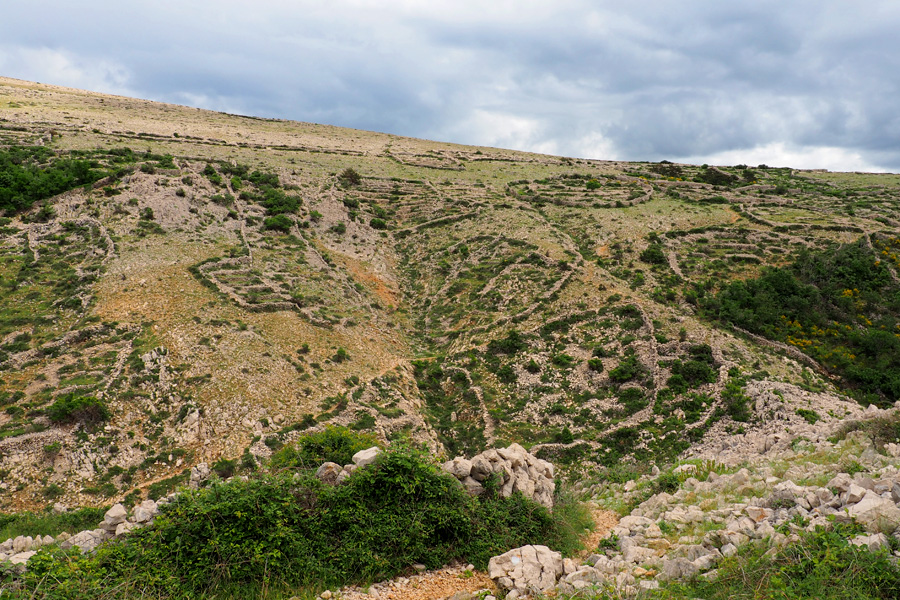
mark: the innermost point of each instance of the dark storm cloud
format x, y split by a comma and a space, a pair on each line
796, 82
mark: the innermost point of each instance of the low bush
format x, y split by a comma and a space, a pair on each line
78, 409
627, 369
289, 532
281, 223
334, 444
881, 430
349, 177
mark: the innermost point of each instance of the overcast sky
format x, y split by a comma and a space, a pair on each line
811, 84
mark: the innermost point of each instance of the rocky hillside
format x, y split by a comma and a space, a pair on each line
180, 287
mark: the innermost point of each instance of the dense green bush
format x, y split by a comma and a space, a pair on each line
334, 444
281, 223
654, 255
83, 409
735, 401
294, 531
31, 174
349, 177
595, 364
839, 307
277, 202
511, 344
627, 369
49, 523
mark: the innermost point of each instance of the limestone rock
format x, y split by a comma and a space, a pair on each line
21, 558
855, 493
678, 568
875, 542
366, 457
514, 469
199, 474
459, 467
328, 472
115, 515
527, 569
876, 514
85, 540
145, 511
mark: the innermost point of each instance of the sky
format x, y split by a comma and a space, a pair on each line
807, 84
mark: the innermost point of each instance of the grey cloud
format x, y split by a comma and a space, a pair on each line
640, 79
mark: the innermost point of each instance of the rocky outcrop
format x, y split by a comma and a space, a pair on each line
514, 470
526, 570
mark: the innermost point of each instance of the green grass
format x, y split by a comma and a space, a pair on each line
49, 523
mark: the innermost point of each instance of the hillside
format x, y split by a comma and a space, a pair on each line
208, 287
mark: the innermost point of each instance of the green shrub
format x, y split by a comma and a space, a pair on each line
506, 374
563, 360
595, 364
224, 468
334, 444
882, 430
78, 409
627, 369
289, 531
810, 416
837, 306
654, 255
378, 223
49, 523
281, 223
737, 404
29, 174
511, 344
349, 177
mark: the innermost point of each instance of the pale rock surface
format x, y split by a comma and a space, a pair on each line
199, 474
366, 457
526, 570
514, 467
115, 515
876, 514
328, 472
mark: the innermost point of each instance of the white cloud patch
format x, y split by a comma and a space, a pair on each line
779, 154
61, 67
503, 130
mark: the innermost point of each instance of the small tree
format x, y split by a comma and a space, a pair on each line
350, 177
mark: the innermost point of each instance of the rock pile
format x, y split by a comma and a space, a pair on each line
516, 471
334, 474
